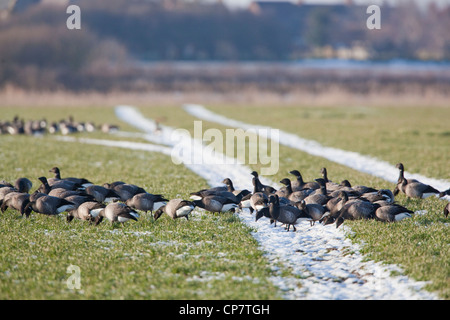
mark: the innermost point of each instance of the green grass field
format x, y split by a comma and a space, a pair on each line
211, 256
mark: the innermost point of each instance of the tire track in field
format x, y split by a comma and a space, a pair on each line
353, 160
328, 264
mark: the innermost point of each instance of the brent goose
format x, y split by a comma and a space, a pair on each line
175, 208
48, 205
392, 212
146, 202
215, 204
81, 182
23, 185
116, 212
86, 211
15, 200
299, 184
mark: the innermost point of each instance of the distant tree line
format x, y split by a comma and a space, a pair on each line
38, 51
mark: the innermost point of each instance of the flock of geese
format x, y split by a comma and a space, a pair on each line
320, 201
18, 126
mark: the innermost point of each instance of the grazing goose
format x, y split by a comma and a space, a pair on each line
355, 210
35, 195
447, 209
48, 205
175, 208
417, 189
359, 189
80, 182
15, 200
127, 191
23, 185
86, 211
225, 194
78, 200
102, 194
5, 190
146, 202
259, 187
215, 204
52, 183
63, 193
116, 212
299, 184
392, 212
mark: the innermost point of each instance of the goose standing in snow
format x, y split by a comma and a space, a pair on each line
286, 214
314, 211
259, 187
258, 201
